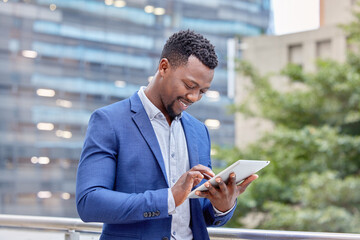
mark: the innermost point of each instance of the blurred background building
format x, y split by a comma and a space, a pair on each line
270, 54
61, 59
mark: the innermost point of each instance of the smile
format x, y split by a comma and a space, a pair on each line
184, 104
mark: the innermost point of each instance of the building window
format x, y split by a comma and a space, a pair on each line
296, 54
323, 49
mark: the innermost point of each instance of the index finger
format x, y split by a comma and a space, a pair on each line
207, 176
203, 169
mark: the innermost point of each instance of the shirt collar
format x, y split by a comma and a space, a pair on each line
151, 110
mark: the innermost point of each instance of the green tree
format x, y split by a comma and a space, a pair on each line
313, 181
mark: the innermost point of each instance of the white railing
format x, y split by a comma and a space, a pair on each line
74, 226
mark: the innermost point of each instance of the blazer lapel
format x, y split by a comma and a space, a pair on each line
143, 123
191, 140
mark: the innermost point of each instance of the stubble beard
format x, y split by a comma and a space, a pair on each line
170, 110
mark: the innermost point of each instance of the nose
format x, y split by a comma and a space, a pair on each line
194, 96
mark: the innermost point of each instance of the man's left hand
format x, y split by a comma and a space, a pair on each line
223, 197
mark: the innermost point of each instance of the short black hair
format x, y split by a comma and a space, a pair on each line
181, 45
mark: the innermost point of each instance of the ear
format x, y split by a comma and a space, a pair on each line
164, 66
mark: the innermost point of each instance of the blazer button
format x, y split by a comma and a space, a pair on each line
217, 223
145, 214
165, 238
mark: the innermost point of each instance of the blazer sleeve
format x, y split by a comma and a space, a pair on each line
95, 198
215, 221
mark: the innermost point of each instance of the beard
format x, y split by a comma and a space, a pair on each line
170, 110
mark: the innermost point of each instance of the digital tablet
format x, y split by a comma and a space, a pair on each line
242, 169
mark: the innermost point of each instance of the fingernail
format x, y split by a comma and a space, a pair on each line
197, 193
218, 180
207, 184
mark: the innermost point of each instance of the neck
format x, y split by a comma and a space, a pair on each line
151, 93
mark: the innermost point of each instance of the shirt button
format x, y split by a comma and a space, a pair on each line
172, 155
173, 181
174, 233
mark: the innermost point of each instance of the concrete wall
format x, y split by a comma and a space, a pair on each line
333, 12
272, 53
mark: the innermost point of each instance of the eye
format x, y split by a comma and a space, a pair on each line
188, 86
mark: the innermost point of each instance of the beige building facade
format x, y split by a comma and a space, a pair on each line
270, 54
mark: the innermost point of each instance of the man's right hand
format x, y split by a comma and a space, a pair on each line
187, 181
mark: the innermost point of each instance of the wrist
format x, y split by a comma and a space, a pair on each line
221, 213
225, 208
173, 191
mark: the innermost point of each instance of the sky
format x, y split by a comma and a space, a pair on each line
295, 15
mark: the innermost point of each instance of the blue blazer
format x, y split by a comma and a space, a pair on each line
121, 178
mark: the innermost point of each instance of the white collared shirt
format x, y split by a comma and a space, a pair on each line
174, 151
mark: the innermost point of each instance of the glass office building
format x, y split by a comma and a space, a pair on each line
61, 59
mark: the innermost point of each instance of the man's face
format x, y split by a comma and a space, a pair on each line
184, 85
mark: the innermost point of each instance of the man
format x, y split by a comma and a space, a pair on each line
143, 155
